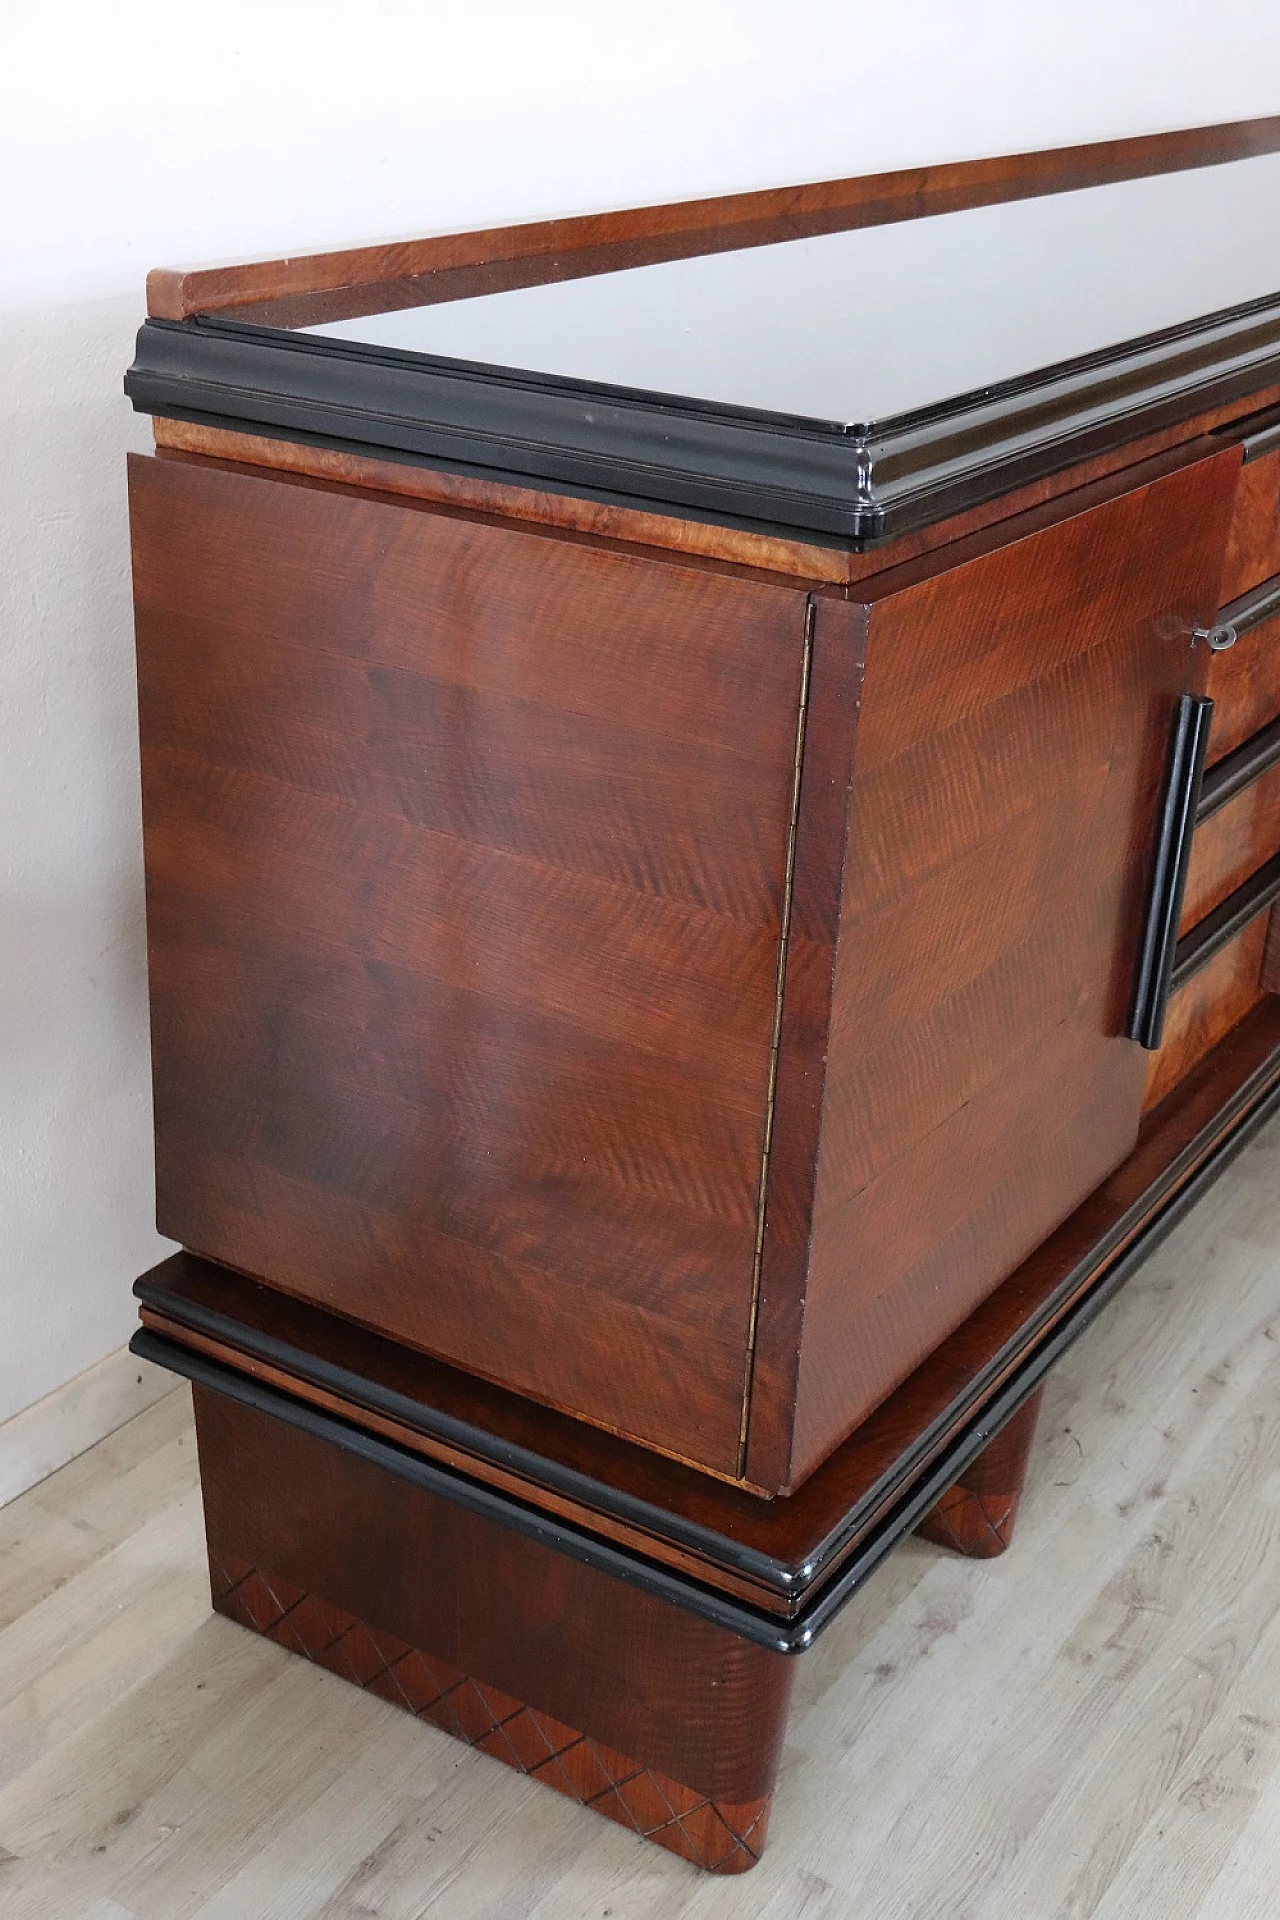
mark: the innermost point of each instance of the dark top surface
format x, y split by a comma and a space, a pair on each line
865, 326
849, 386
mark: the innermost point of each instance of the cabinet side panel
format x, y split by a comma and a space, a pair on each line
1014, 722
465, 862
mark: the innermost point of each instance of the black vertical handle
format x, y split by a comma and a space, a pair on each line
1175, 827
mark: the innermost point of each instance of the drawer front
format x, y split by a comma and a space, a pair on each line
1205, 1009
1231, 844
1233, 876
466, 852
1244, 685
1253, 545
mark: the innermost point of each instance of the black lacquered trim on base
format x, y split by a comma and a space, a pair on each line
1024, 1364
1262, 439
368, 1394
473, 1495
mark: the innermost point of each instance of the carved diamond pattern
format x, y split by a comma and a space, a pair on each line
711, 1834
979, 1525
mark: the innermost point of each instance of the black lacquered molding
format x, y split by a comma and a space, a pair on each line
523, 427
679, 1590
367, 1394
1265, 440
857, 483
1175, 828
471, 1495
1197, 948
1239, 770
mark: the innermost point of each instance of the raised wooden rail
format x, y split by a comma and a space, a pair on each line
309, 289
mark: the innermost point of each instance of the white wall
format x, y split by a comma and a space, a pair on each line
137, 134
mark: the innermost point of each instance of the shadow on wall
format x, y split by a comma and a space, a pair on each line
76, 1184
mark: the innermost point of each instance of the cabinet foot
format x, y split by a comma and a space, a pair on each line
978, 1514
657, 1719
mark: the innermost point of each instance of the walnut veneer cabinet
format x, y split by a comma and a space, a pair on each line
711, 785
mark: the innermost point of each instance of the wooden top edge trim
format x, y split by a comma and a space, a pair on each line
771, 213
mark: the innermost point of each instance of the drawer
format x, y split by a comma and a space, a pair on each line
1207, 1007
1253, 545
1231, 844
1243, 682
1221, 964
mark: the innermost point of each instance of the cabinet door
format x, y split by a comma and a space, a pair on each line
1001, 794
466, 850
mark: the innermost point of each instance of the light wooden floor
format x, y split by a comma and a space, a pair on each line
1090, 1726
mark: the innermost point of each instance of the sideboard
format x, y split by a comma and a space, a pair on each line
711, 794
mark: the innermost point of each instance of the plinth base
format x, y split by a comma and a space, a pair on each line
600, 1619
644, 1713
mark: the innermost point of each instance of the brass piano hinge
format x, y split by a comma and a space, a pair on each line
784, 934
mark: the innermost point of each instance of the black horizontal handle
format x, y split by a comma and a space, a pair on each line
1210, 935
1175, 826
